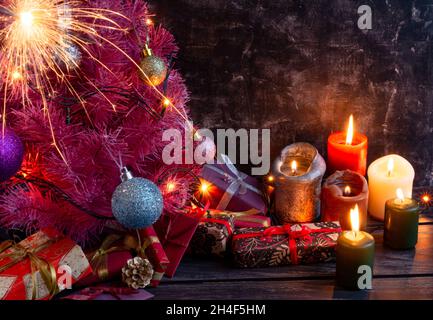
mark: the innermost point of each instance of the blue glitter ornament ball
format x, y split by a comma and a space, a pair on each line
11, 154
137, 202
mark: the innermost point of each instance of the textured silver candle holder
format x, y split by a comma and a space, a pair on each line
297, 193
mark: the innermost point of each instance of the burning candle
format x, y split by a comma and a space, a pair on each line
385, 175
354, 249
341, 192
401, 222
347, 150
297, 176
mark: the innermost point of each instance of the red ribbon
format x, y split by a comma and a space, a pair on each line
304, 233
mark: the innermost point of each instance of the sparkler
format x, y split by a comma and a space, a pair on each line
36, 37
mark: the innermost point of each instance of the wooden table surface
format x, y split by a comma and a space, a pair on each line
397, 275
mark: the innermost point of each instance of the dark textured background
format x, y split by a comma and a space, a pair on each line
301, 67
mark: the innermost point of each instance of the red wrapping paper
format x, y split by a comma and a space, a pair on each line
248, 196
51, 246
288, 244
156, 255
114, 255
175, 231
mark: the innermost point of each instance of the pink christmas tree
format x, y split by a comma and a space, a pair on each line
102, 115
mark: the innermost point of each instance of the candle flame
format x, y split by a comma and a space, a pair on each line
400, 194
347, 190
294, 166
390, 166
354, 219
349, 135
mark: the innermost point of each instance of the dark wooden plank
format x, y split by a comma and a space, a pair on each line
383, 288
387, 263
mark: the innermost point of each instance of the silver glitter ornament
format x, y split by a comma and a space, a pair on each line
137, 202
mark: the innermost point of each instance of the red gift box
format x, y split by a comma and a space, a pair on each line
287, 244
155, 253
175, 232
231, 189
107, 261
35, 267
213, 234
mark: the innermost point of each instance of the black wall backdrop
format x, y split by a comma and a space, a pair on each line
301, 68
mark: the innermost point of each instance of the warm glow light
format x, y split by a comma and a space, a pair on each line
390, 166
16, 75
349, 134
294, 166
347, 191
270, 178
354, 219
400, 195
149, 22
26, 19
426, 198
204, 187
166, 102
171, 186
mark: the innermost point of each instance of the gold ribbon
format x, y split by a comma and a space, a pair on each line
20, 253
248, 216
99, 259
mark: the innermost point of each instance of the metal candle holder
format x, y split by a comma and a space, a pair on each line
297, 193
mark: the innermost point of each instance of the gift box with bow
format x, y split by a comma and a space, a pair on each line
232, 190
175, 232
108, 260
154, 251
213, 234
287, 244
40, 266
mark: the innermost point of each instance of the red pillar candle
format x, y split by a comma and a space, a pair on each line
347, 150
340, 193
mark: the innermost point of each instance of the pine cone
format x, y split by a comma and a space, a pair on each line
137, 273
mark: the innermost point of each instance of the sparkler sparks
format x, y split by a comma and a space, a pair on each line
36, 38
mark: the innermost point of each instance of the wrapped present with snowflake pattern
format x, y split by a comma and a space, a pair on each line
284, 245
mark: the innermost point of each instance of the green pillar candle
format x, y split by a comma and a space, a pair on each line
401, 222
354, 249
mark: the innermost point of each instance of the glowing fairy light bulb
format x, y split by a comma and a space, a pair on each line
166, 102
149, 22
204, 187
349, 135
171, 186
270, 178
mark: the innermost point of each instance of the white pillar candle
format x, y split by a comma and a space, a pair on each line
385, 175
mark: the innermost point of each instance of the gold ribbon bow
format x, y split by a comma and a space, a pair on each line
19, 253
99, 259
